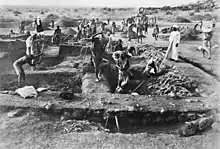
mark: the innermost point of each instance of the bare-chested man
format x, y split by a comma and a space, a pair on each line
97, 50
27, 59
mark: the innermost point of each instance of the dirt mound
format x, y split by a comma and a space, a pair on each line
67, 22
51, 17
190, 34
182, 20
171, 84
69, 31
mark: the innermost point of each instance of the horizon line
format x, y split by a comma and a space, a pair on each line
82, 6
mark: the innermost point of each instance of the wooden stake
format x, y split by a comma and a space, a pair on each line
117, 124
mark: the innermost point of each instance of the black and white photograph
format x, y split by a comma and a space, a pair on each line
109, 74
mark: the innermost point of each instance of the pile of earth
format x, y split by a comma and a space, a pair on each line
67, 22
69, 31
169, 81
172, 83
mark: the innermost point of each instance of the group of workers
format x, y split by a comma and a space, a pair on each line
121, 55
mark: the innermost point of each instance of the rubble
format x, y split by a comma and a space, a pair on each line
194, 127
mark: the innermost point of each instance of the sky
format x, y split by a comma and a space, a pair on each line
101, 3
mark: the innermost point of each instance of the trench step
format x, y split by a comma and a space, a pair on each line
89, 84
108, 102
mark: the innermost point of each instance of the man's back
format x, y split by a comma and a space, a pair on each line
57, 32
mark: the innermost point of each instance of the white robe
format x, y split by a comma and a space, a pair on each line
172, 50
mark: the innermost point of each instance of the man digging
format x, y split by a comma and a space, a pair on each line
27, 59
122, 63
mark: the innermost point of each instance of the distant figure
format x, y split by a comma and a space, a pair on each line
97, 20
122, 26
22, 27
109, 44
39, 27
108, 21
11, 33
88, 31
139, 32
213, 23
201, 24
146, 27
174, 40
156, 32
119, 46
113, 28
19, 69
78, 35
152, 19
57, 36
52, 24
207, 45
103, 27
130, 32
124, 21
93, 26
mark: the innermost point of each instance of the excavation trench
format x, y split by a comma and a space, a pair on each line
123, 121
79, 77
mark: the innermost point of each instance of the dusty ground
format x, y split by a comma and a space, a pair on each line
34, 129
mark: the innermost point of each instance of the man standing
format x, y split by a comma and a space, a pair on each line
109, 44
31, 44
97, 51
146, 27
39, 27
156, 32
207, 45
57, 36
113, 28
174, 40
20, 62
213, 23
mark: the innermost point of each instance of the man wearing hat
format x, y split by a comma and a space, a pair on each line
174, 40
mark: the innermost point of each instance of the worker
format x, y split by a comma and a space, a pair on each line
121, 59
27, 59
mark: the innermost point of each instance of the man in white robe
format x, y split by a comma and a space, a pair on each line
174, 40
